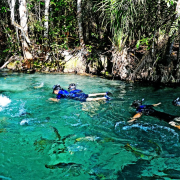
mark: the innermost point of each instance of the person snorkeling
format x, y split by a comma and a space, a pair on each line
150, 111
176, 102
62, 93
72, 88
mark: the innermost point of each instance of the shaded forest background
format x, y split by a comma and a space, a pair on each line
138, 38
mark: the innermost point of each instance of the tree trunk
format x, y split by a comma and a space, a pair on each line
12, 5
46, 27
79, 18
23, 23
46, 17
177, 16
23, 27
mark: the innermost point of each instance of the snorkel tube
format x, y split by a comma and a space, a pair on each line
137, 103
72, 86
176, 102
56, 87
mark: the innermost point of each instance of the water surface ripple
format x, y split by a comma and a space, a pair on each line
84, 140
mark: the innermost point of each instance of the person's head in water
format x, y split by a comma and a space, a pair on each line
56, 88
176, 102
137, 103
72, 86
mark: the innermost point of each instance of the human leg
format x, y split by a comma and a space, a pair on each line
100, 94
96, 99
173, 123
96, 94
177, 119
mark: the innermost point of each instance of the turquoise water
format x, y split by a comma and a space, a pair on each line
76, 140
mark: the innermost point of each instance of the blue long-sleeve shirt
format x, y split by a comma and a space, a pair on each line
62, 94
75, 94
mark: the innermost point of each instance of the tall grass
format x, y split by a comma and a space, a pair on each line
133, 20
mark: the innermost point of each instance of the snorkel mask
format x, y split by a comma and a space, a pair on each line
72, 86
176, 102
137, 103
56, 87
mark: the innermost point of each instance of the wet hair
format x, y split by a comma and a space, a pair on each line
137, 103
72, 86
56, 87
176, 102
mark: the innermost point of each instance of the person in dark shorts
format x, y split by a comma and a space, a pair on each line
62, 93
148, 110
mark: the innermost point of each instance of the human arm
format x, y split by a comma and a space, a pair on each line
156, 104
135, 117
54, 99
58, 96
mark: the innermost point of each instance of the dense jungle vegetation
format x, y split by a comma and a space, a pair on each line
39, 29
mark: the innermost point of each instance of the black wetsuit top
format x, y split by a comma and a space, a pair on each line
149, 111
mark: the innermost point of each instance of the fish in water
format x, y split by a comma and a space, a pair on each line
62, 165
87, 138
142, 153
42, 144
2, 130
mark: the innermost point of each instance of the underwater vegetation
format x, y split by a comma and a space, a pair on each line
145, 153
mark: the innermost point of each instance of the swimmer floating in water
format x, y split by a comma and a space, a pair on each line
62, 93
150, 111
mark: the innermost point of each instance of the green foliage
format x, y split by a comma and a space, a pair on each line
170, 2
94, 35
130, 20
63, 22
144, 41
4, 9
89, 48
29, 6
38, 26
120, 39
6, 50
123, 22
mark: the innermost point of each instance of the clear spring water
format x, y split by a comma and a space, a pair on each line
76, 140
